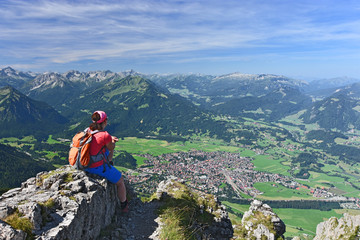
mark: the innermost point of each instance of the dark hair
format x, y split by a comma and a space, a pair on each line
96, 126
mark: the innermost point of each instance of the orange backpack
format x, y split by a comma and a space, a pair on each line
79, 154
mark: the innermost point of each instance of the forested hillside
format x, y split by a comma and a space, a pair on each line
16, 166
22, 116
272, 106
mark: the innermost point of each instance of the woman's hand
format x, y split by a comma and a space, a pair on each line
114, 139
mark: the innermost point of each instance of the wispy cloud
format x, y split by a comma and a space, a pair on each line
45, 32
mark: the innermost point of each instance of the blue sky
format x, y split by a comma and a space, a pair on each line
297, 38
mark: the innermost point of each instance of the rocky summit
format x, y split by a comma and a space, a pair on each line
347, 227
62, 204
71, 204
260, 222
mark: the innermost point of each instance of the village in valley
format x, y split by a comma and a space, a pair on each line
208, 171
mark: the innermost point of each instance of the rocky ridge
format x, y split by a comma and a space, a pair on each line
70, 204
62, 204
260, 222
347, 227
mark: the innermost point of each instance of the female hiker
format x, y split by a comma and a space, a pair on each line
101, 151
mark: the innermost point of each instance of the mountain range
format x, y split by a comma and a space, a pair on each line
183, 104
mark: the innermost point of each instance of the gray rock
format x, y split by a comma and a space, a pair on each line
347, 227
8, 233
220, 228
62, 204
253, 221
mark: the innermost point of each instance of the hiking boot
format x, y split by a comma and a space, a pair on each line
124, 206
125, 209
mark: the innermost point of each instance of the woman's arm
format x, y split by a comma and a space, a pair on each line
111, 146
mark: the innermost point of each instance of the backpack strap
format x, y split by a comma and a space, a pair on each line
106, 161
100, 155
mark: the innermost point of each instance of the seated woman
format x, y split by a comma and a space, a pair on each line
101, 151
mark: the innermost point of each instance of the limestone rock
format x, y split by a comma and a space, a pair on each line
220, 228
347, 227
7, 232
71, 204
261, 222
62, 204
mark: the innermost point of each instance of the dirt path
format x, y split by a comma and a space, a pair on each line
139, 223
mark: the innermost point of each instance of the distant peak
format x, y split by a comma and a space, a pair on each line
9, 69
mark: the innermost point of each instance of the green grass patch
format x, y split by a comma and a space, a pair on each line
139, 160
50, 140
17, 221
240, 208
50, 154
322, 177
121, 169
181, 210
247, 153
268, 164
345, 189
158, 147
297, 221
330, 168
338, 184
303, 220
279, 192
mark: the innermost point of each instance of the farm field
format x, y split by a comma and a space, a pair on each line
157, 147
273, 191
268, 164
297, 221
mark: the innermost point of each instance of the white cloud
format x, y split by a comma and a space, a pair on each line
68, 31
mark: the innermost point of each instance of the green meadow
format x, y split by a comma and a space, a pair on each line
339, 185
297, 221
274, 191
155, 147
268, 164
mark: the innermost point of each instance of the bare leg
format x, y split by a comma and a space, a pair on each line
121, 189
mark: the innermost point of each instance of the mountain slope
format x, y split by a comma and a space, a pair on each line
137, 107
330, 83
51, 88
272, 106
16, 167
20, 115
209, 90
326, 87
338, 111
55, 88
16, 79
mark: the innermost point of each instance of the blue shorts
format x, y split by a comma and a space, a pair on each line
111, 173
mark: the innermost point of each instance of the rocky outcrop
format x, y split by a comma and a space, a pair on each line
347, 227
260, 222
218, 228
71, 204
62, 204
